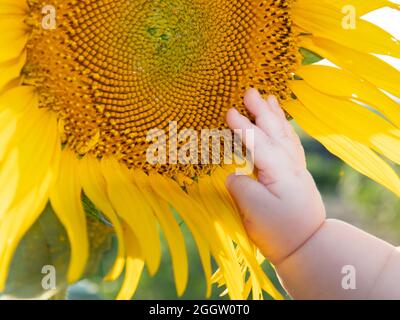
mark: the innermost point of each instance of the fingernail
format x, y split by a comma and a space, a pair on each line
253, 90
259, 96
233, 112
273, 101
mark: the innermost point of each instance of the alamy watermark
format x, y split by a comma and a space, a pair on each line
349, 21
49, 21
49, 280
209, 146
349, 281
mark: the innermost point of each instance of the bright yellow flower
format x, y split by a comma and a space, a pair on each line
77, 102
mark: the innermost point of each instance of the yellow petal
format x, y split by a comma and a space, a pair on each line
66, 201
94, 186
134, 266
31, 163
12, 103
24, 137
127, 201
13, 31
11, 70
171, 229
13, 7
248, 250
169, 191
326, 21
364, 65
215, 198
222, 246
354, 153
362, 6
352, 120
343, 84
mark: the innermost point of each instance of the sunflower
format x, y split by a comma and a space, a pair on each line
83, 82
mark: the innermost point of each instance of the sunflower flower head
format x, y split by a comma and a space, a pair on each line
78, 100
112, 72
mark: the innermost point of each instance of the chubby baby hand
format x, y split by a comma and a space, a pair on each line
283, 208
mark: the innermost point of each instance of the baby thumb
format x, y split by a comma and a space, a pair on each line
256, 205
248, 194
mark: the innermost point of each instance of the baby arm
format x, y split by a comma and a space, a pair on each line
285, 217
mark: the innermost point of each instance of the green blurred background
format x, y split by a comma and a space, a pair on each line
347, 194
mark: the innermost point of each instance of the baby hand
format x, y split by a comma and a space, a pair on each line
284, 216
283, 209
